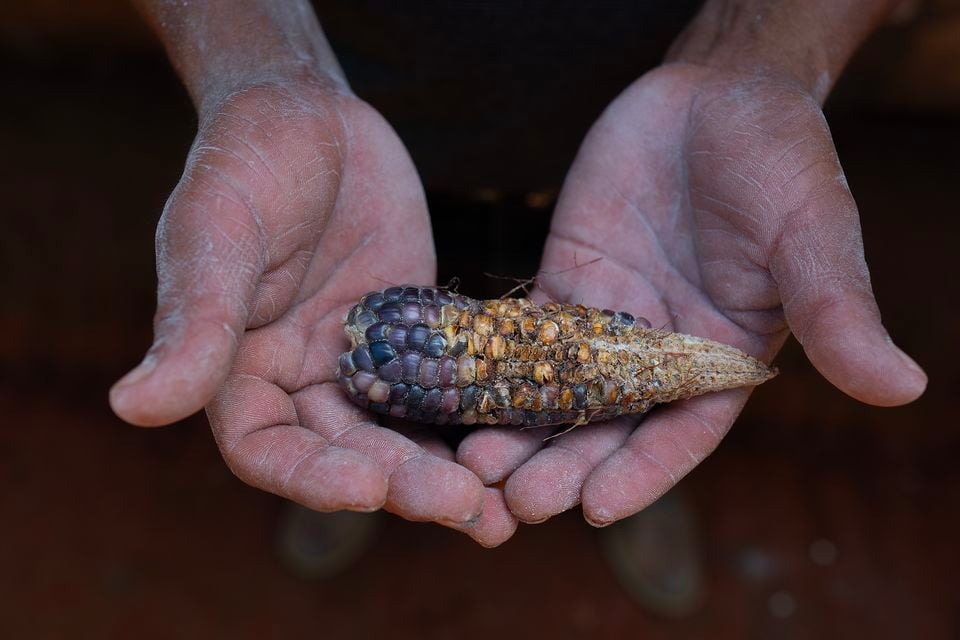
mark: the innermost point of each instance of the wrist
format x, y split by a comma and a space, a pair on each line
221, 46
805, 42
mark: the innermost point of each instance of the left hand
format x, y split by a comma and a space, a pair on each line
718, 206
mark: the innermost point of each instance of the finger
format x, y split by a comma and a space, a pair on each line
494, 453
829, 304
422, 487
208, 262
257, 429
667, 444
496, 524
423, 436
550, 482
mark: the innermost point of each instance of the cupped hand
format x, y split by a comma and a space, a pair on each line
297, 198
719, 208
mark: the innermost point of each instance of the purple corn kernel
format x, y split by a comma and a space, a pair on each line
609, 313
398, 410
398, 336
410, 312
625, 319
444, 298
382, 353
429, 372
643, 322
392, 294
415, 415
379, 407
361, 400
379, 391
373, 301
390, 372
365, 319
390, 313
347, 384
516, 417
398, 393
362, 380
435, 345
431, 316
448, 372
410, 294
431, 401
415, 397
468, 397
361, 358
346, 365
410, 366
531, 417
451, 400
417, 337
580, 396
377, 331
548, 395
352, 314
428, 296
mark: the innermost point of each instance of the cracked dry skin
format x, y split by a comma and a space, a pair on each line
433, 356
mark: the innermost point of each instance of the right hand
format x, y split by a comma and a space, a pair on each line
297, 198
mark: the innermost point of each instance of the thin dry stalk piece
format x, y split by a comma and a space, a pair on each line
434, 356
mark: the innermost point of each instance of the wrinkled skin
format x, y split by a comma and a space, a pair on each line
719, 209
296, 200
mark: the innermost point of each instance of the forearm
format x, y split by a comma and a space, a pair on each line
218, 46
809, 41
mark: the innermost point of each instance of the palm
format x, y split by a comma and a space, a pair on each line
689, 188
295, 203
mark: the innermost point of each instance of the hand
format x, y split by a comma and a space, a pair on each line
719, 208
296, 199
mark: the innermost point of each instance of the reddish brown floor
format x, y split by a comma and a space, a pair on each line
113, 532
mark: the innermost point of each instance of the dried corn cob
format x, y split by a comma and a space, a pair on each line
429, 355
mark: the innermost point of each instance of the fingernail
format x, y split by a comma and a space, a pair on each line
598, 520
142, 370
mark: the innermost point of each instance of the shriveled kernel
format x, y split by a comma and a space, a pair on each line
495, 348
483, 370
507, 327
548, 332
483, 324
487, 402
566, 398
528, 326
583, 353
542, 372
466, 370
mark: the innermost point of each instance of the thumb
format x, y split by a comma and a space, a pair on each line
208, 261
829, 304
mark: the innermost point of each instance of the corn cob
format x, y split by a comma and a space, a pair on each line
433, 356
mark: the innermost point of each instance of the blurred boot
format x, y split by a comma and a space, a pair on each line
655, 556
318, 545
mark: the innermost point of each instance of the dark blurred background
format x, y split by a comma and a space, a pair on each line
819, 517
